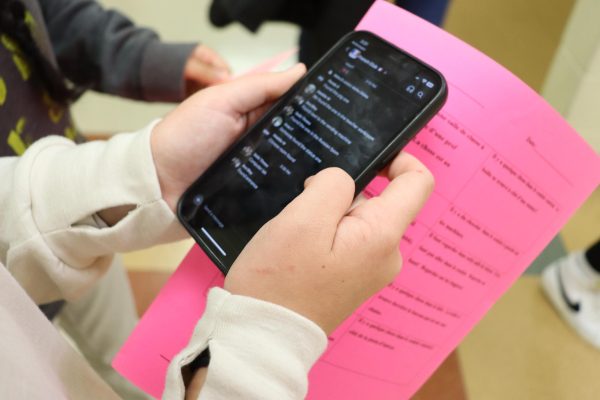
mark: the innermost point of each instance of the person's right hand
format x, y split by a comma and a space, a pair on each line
322, 259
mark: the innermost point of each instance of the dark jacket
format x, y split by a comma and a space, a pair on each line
323, 22
95, 48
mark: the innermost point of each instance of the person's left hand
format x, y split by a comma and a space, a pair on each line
205, 67
188, 140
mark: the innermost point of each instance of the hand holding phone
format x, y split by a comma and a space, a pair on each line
355, 110
323, 260
194, 135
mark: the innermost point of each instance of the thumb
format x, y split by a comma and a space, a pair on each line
326, 198
250, 92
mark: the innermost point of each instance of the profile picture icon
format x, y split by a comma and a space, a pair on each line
288, 110
247, 151
277, 121
354, 54
299, 100
198, 200
310, 89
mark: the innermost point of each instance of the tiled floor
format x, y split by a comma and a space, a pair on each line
523, 350
584, 227
521, 35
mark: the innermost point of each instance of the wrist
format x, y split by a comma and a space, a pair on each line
162, 71
269, 336
113, 215
158, 147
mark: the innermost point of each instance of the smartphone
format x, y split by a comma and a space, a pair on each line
355, 109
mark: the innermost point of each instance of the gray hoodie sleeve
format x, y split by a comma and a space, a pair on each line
104, 50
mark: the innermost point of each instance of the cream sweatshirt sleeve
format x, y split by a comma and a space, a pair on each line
55, 247
51, 240
259, 351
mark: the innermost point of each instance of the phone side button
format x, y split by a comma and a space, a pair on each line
390, 157
363, 181
387, 160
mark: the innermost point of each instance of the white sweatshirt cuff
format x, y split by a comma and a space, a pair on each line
58, 249
275, 347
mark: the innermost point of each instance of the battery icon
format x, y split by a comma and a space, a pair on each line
430, 85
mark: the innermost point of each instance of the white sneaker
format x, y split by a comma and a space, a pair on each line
574, 290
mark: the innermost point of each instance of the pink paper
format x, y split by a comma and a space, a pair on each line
509, 171
167, 325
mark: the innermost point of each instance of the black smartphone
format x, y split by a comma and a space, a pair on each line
355, 109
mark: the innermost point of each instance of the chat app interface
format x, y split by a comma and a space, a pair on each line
343, 115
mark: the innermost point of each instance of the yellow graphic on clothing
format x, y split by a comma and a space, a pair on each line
14, 138
2, 91
10, 44
29, 21
17, 56
70, 132
55, 110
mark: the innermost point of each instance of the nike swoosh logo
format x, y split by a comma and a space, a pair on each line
573, 306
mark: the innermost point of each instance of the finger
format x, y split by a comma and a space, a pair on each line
358, 201
204, 74
396, 207
406, 162
210, 56
385, 171
245, 94
326, 198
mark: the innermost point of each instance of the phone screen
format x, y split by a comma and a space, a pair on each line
345, 112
